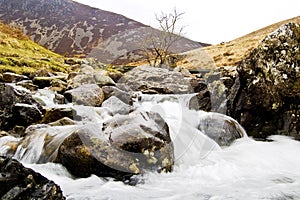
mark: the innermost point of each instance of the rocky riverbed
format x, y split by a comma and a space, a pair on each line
93, 121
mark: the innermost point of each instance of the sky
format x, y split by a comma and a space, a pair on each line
210, 21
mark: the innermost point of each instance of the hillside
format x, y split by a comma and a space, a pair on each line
21, 55
229, 53
74, 29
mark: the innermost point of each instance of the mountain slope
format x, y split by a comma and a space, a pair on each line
71, 28
229, 53
21, 55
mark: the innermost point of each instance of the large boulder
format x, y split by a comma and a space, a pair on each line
87, 94
18, 182
126, 145
89, 75
17, 107
221, 128
265, 98
155, 80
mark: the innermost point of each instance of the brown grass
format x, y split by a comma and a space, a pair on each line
229, 53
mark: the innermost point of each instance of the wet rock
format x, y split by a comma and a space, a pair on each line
126, 145
58, 85
222, 129
154, 80
265, 98
201, 101
63, 122
115, 106
8, 145
28, 84
88, 95
43, 82
10, 77
54, 114
120, 94
26, 114
28, 109
18, 182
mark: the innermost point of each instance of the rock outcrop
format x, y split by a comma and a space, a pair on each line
18, 182
17, 107
265, 98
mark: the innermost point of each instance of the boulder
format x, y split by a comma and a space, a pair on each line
221, 128
126, 145
18, 182
115, 106
43, 82
265, 97
16, 103
28, 84
10, 77
120, 94
26, 114
155, 80
88, 95
88, 75
54, 114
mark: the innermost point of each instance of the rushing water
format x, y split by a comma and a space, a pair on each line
247, 169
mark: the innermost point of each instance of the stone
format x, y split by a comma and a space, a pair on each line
221, 128
126, 145
18, 182
115, 105
200, 101
26, 114
10, 111
88, 95
43, 82
28, 84
54, 114
120, 94
10, 77
265, 97
88, 75
63, 122
155, 80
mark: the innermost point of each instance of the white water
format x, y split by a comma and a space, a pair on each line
247, 169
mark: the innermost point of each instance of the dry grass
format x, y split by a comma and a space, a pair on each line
229, 53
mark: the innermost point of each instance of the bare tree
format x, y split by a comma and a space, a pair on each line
158, 46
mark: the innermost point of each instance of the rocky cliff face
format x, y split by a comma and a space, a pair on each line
266, 94
67, 27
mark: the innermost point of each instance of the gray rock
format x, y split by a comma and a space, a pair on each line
10, 96
115, 106
18, 182
120, 94
265, 98
222, 129
88, 95
154, 80
88, 75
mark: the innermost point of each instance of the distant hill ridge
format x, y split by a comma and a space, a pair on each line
70, 28
232, 52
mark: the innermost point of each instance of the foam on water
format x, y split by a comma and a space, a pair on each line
247, 169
